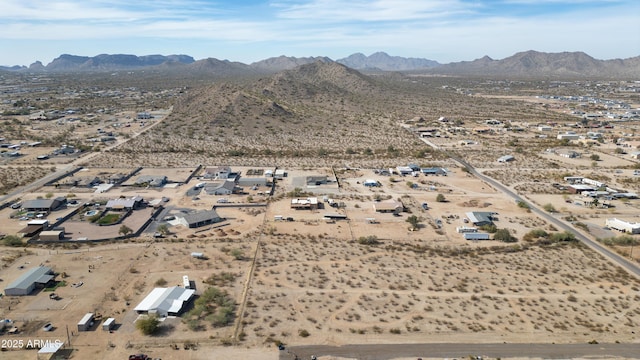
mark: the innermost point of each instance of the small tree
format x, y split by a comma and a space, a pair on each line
125, 230
440, 198
163, 229
237, 254
504, 235
414, 221
549, 208
148, 325
594, 157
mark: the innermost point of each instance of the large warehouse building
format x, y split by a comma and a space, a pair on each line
29, 281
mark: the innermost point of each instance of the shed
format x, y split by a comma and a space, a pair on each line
371, 183
476, 236
280, 174
506, 158
108, 324
335, 216
197, 255
52, 235
86, 322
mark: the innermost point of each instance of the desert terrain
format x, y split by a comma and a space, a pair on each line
342, 273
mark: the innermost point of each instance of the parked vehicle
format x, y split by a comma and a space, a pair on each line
47, 327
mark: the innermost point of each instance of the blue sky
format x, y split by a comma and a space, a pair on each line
252, 30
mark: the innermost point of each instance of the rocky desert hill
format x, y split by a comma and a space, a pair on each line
318, 114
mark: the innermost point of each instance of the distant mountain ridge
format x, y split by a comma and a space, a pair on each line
537, 64
383, 61
523, 64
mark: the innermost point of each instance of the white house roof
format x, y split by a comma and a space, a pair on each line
165, 300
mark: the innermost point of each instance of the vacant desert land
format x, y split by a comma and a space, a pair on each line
309, 281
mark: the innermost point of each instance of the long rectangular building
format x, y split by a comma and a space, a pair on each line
32, 278
621, 225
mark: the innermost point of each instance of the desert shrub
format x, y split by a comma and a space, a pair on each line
237, 254
148, 325
440, 198
562, 237
623, 240
12, 240
535, 234
368, 240
549, 208
303, 333
523, 205
215, 306
490, 228
222, 279
161, 282
504, 235
414, 221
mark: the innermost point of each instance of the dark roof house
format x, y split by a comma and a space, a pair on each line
200, 218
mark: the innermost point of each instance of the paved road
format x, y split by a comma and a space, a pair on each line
629, 266
391, 351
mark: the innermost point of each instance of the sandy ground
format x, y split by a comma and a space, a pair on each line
313, 283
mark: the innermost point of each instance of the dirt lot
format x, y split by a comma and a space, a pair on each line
312, 282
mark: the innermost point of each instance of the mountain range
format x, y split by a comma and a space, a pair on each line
523, 64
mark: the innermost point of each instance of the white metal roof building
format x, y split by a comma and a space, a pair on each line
26, 283
165, 301
621, 225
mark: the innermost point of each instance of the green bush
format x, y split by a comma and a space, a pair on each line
148, 325
504, 235
12, 240
368, 240
215, 306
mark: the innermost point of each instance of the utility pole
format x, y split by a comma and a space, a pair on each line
68, 337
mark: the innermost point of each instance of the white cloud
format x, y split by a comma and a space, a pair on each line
367, 11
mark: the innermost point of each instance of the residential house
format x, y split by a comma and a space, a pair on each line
165, 301
480, 218
44, 205
220, 172
200, 218
310, 203
151, 180
388, 206
131, 203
